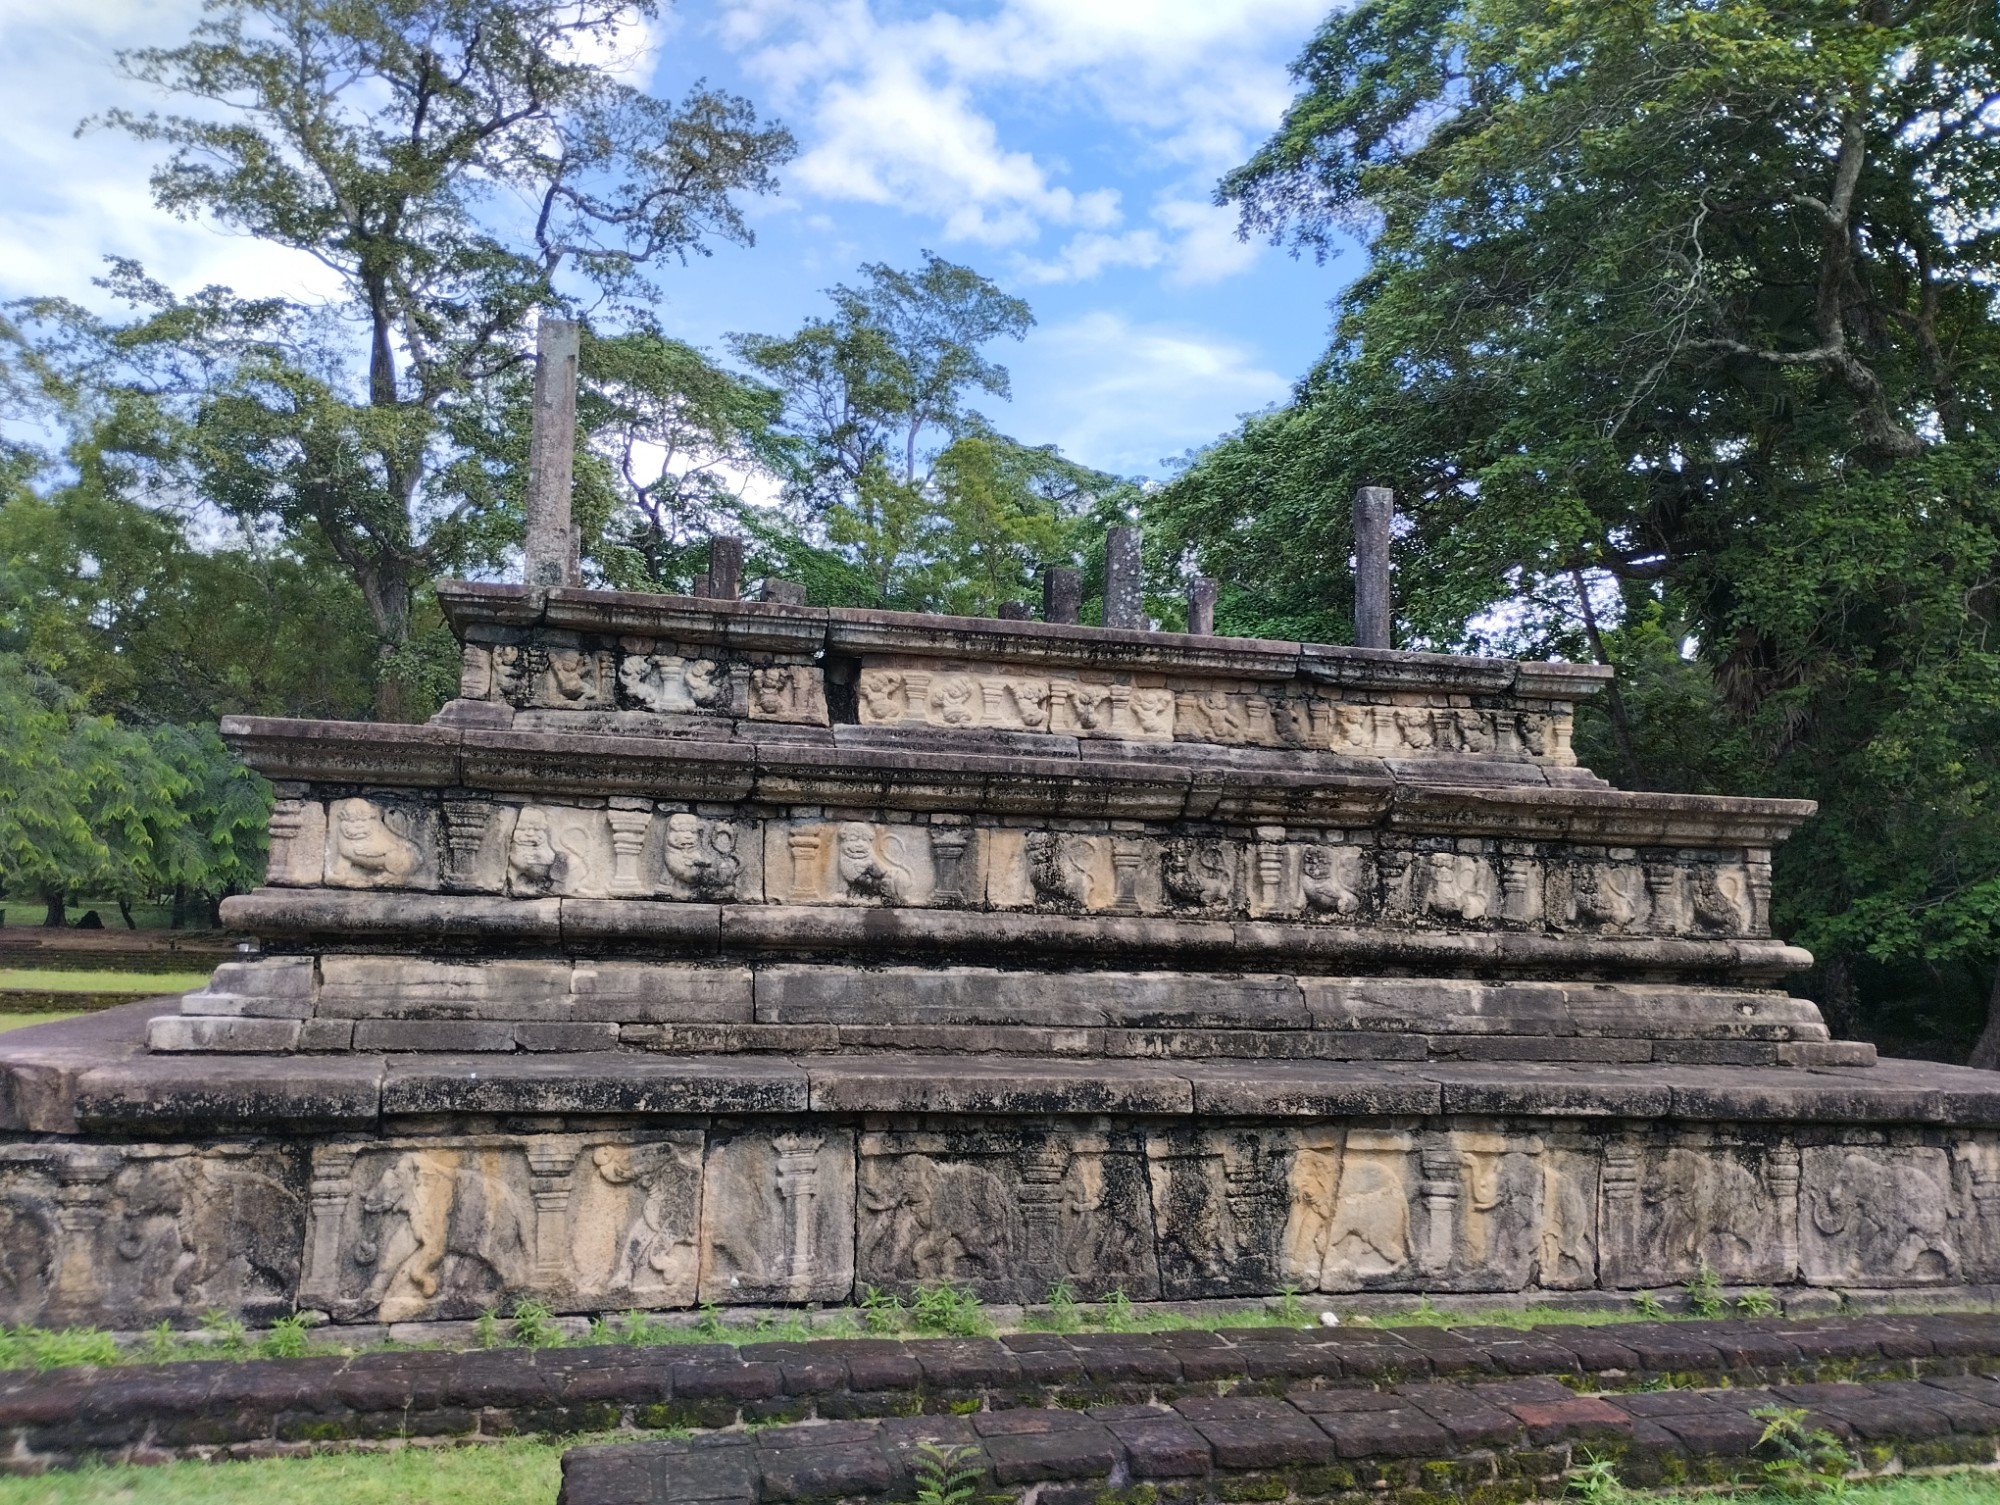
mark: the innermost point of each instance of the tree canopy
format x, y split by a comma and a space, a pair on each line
1678, 340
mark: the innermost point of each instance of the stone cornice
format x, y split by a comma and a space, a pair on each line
1408, 797
754, 626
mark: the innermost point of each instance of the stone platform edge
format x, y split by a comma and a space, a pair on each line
94, 1073
964, 1389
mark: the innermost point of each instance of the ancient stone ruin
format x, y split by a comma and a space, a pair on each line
719, 951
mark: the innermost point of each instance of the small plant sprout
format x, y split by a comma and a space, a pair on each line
1291, 1310
486, 1331
946, 1475
1063, 1315
1801, 1462
1595, 1482
1704, 1292
1758, 1303
287, 1338
950, 1310
881, 1311
1120, 1316
1648, 1306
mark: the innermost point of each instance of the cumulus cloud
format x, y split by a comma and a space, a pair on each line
1124, 396
902, 108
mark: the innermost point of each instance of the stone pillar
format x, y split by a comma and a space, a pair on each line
798, 1189
1520, 887
551, 1167
1043, 1167
1440, 1191
331, 1187
1271, 853
464, 839
1757, 864
1781, 1174
82, 1201
1618, 1236
804, 845
628, 820
1127, 855
948, 848
550, 552
1014, 611
1062, 594
725, 568
1124, 599
1373, 507
1201, 606
1663, 898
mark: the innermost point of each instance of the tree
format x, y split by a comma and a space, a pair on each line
869, 388
1683, 316
456, 164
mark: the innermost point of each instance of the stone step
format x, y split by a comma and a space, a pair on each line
1508, 1439
1334, 1391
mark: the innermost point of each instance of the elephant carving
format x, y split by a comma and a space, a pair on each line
440, 1229
1894, 1216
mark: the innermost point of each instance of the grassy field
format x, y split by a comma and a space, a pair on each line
54, 980
506, 1473
529, 1473
21, 1021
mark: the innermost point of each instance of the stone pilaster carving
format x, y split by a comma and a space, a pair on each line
298, 843
1618, 1229
551, 1163
330, 1191
777, 1215
804, 844
952, 855
1781, 1174
83, 1192
1440, 1191
798, 1189
1666, 915
628, 824
1128, 856
1273, 867
1042, 1167
475, 672
1520, 890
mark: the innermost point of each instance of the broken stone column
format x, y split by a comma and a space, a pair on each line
1201, 606
550, 552
782, 592
725, 568
1062, 594
1124, 601
1373, 507
1014, 611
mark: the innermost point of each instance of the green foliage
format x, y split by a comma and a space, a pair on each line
950, 1310
26, 1347
1677, 341
881, 1311
1704, 1292
1758, 1303
486, 1330
533, 1325
1292, 1311
947, 1475
1595, 1482
1120, 1315
89, 806
401, 147
287, 1338
1648, 1307
1801, 1461
1064, 1316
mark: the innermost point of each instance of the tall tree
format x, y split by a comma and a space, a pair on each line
877, 390
456, 164
1682, 314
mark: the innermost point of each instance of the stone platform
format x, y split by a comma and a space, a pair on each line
713, 951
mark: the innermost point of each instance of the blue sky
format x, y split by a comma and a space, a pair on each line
1067, 148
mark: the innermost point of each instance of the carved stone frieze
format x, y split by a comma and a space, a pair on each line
698, 857
788, 692
1881, 1215
849, 862
147, 1231
1219, 1206
670, 683
778, 1216
1010, 1213
298, 843
560, 850
381, 844
1672, 1206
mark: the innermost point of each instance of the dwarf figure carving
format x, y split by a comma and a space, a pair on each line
955, 699
1198, 872
701, 856
1058, 867
1153, 711
863, 872
537, 864
884, 695
374, 846
1330, 879
1458, 887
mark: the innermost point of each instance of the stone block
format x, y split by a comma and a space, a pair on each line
778, 1216
215, 1005
326, 1035
1881, 1215
411, 988
435, 1036
660, 992
1008, 1212
187, 1032
566, 1036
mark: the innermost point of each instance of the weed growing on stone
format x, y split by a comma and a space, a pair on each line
27, 1347
535, 1326
1120, 1316
881, 1311
1292, 1311
1704, 1292
1648, 1307
286, 1339
1595, 1482
946, 1475
1759, 1303
486, 1331
950, 1310
1803, 1462
1063, 1314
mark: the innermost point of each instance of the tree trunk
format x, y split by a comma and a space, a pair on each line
125, 911
178, 919
58, 915
1986, 1054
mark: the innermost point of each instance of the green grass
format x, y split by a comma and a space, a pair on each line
503, 1473
62, 980
22, 1021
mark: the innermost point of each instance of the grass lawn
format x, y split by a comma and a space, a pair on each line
504, 1473
21, 1021
62, 980
529, 1473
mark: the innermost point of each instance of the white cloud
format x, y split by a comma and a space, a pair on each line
900, 108
1125, 396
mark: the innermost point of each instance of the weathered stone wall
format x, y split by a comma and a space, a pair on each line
412, 1224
